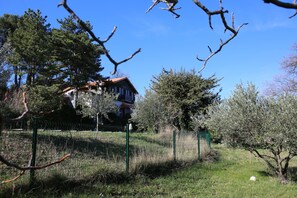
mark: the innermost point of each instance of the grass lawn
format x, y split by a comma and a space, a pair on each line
228, 177
225, 173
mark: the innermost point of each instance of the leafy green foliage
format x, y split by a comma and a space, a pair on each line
254, 123
77, 57
97, 105
45, 56
185, 94
44, 60
8, 23
149, 112
44, 99
31, 44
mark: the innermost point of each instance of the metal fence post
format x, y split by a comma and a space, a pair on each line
127, 148
198, 142
208, 138
174, 145
34, 148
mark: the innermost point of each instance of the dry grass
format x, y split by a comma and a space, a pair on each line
96, 155
186, 151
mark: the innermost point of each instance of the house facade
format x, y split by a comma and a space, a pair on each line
126, 93
120, 86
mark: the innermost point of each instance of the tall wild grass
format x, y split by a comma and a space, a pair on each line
96, 153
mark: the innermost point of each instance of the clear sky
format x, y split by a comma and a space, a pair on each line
255, 55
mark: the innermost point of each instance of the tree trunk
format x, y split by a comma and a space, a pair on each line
97, 122
282, 171
1, 123
29, 79
282, 177
16, 80
277, 168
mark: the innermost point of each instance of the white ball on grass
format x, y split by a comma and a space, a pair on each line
253, 178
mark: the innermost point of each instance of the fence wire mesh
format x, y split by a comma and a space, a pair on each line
94, 153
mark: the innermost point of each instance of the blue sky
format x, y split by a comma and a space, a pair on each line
255, 55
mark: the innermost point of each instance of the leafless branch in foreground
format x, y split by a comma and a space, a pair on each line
24, 169
27, 111
234, 32
284, 5
170, 6
95, 38
24, 101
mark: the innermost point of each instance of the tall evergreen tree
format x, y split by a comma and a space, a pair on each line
77, 57
8, 24
31, 44
185, 94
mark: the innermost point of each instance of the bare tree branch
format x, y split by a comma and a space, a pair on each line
27, 111
222, 44
264, 157
24, 169
25, 106
282, 4
13, 179
210, 13
101, 43
231, 29
112, 33
153, 5
170, 6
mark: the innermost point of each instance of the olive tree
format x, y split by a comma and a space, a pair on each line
149, 112
264, 126
97, 105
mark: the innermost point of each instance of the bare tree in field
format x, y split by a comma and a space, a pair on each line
287, 81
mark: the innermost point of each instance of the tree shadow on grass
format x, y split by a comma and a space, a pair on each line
91, 146
266, 173
292, 174
152, 141
58, 185
85, 146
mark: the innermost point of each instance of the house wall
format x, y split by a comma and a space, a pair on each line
125, 101
124, 91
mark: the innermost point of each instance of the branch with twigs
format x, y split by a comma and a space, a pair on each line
284, 5
170, 6
24, 169
95, 38
234, 32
